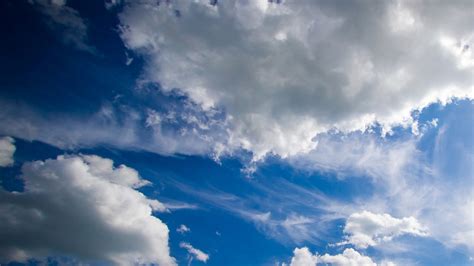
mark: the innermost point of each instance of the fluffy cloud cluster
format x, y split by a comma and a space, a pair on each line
363, 229
285, 72
7, 149
369, 229
349, 257
194, 252
303, 257
82, 206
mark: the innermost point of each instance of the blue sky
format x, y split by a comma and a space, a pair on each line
239, 133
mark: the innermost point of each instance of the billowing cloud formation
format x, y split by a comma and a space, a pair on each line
82, 206
303, 257
369, 229
7, 149
286, 72
349, 257
194, 252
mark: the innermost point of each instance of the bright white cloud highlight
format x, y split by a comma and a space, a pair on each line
366, 229
82, 206
303, 257
7, 149
194, 252
286, 72
349, 257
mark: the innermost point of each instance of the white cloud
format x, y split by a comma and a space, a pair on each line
366, 229
194, 252
298, 227
303, 257
183, 229
185, 131
82, 206
286, 72
177, 205
349, 257
364, 154
7, 149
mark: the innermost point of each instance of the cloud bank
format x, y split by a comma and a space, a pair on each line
84, 207
286, 72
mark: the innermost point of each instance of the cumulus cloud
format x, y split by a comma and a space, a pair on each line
303, 257
7, 149
286, 72
183, 229
194, 252
66, 22
366, 229
82, 206
349, 257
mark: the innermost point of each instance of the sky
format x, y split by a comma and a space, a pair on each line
250, 132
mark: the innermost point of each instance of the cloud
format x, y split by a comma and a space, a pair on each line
179, 129
274, 214
183, 229
284, 73
349, 257
82, 206
366, 229
303, 257
7, 149
194, 252
422, 185
363, 154
66, 22
449, 212
177, 205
